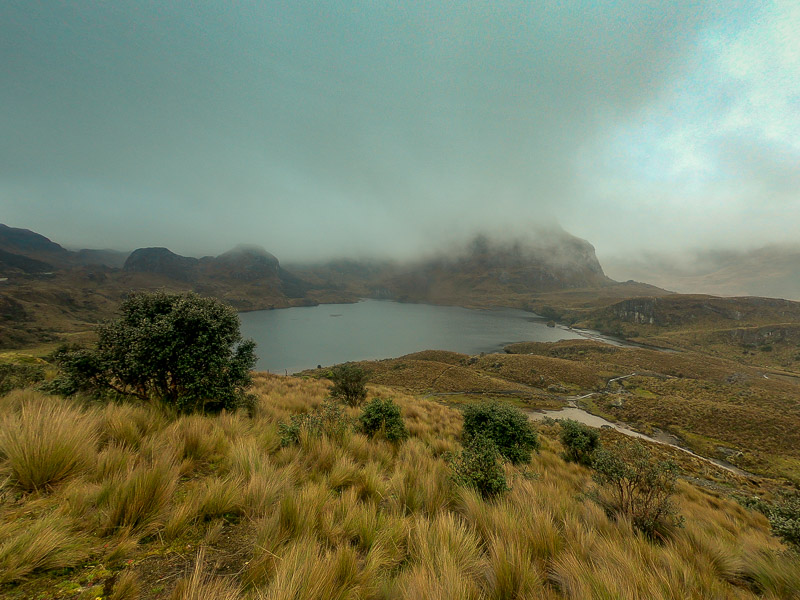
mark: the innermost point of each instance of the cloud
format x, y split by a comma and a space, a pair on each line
319, 128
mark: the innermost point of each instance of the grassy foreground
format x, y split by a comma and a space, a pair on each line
124, 502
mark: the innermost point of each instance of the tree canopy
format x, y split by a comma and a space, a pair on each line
181, 349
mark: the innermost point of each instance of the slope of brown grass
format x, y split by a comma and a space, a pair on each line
236, 515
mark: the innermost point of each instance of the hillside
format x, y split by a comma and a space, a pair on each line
717, 407
485, 271
216, 507
49, 292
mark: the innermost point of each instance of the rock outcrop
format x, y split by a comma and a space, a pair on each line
163, 262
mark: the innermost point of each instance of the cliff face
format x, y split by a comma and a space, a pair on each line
244, 263
680, 310
487, 268
162, 261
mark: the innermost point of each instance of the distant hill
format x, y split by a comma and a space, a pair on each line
484, 271
109, 258
772, 271
31, 245
20, 246
60, 291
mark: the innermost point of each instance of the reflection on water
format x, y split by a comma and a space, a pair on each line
293, 339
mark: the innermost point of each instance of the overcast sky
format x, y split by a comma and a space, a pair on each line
327, 128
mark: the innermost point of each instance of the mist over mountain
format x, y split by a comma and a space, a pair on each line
772, 271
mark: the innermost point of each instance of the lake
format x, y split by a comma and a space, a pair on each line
293, 339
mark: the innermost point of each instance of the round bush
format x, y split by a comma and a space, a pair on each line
579, 441
507, 426
383, 416
478, 466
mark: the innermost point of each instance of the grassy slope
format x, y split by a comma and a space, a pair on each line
213, 507
718, 407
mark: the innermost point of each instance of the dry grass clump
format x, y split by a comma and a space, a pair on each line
46, 543
138, 502
128, 424
126, 587
45, 441
354, 517
201, 586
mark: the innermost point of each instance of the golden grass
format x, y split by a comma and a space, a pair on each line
201, 586
46, 543
357, 518
45, 442
138, 502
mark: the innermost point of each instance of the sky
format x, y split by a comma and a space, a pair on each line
367, 128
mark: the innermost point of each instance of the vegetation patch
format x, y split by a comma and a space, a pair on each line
506, 426
382, 417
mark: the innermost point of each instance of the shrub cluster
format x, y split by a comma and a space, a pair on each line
507, 426
13, 376
783, 515
580, 441
478, 466
382, 417
637, 486
349, 384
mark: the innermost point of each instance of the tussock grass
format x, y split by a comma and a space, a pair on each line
217, 497
128, 425
354, 517
126, 587
46, 441
47, 543
197, 438
138, 502
201, 586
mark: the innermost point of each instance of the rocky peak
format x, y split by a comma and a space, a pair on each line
244, 262
162, 261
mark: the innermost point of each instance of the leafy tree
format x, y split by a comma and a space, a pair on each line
181, 349
507, 426
638, 486
579, 440
478, 466
349, 384
383, 416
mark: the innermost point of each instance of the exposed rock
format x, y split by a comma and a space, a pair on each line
163, 262
245, 263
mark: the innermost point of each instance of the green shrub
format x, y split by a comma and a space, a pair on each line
383, 417
328, 419
783, 515
478, 466
507, 426
580, 441
181, 349
14, 376
349, 384
638, 486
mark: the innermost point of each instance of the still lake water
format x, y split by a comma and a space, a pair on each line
293, 339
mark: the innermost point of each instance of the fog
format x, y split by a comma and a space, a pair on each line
320, 129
